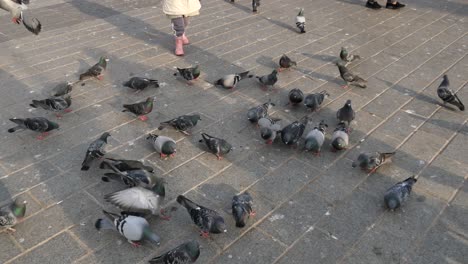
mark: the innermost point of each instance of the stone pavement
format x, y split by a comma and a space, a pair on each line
309, 209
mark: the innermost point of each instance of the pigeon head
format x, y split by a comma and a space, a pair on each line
344, 51
239, 215
266, 133
103, 59
53, 125
168, 148
105, 136
19, 207
159, 187
151, 236
151, 137
193, 249
322, 126
218, 226
195, 118
274, 72
288, 138
348, 103
339, 144
301, 12
311, 145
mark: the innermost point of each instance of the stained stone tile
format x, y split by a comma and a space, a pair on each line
8, 249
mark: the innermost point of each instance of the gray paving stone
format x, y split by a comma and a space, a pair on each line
8, 249
455, 149
422, 145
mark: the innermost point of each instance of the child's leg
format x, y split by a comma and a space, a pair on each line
179, 28
184, 37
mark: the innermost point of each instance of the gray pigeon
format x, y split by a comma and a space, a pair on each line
38, 124
399, 193
95, 150
11, 214
19, 13
140, 83
141, 200
165, 146
315, 138
314, 101
346, 113
183, 123
268, 80
131, 178
286, 63
269, 128
54, 104
217, 146
300, 21
189, 74
231, 80
346, 57
371, 161
254, 114
447, 95
132, 226
349, 77
62, 89
209, 221
124, 165
296, 96
242, 208
340, 137
186, 253
291, 134
96, 71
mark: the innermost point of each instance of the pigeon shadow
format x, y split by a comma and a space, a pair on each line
241, 7
266, 61
322, 57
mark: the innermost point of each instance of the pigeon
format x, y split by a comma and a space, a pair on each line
231, 80
141, 200
447, 95
300, 21
268, 80
269, 128
18, 11
131, 178
186, 253
255, 4
130, 225
291, 134
165, 146
340, 137
97, 71
38, 124
62, 89
286, 63
346, 57
209, 221
141, 109
346, 113
124, 165
313, 101
296, 96
189, 74
217, 146
11, 214
349, 77
55, 104
242, 208
315, 138
140, 83
254, 114
95, 150
370, 162
183, 123
399, 193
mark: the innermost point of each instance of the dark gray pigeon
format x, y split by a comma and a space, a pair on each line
19, 11
286, 63
54, 104
340, 137
62, 89
269, 129
183, 123
186, 253
268, 80
140, 83
301, 21
296, 96
349, 77
447, 95
189, 74
255, 113
96, 71
371, 161
209, 221
130, 225
37, 124
346, 57
11, 214
314, 101
399, 193
291, 134
131, 178
242, 208
231, 80
141, 109
124, 165
346, 113
95, 151
165, 146
315, 138
141, 200
217, 146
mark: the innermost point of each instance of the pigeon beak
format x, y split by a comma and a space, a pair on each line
354, 165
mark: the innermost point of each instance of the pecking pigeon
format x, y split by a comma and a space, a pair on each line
340, 137
349, 77
165, 146
231, 80
95, 150
131, 178
346, 113
291, 134
300, 21
447, 95
183, 123
141, 109
209, 221
268, 80
132, 226
38, 124
18, 9
189, 74
255, 113
62, 89
313, 101
11, 214
295, 96
140, 83
242, 208
286, 63
399, 193
346, 57
96, 71
371, 161
217, 146
54, 104
315, 138
269, 129
186, 253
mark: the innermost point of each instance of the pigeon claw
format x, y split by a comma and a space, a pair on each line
135, 244
163, 216
172, 155
205, 234
68, 110
59, 116
16, 20
269, 142
100, 77
345, 86
253, 213
162, 156
317, 154
42, 136
219, 157
143, 118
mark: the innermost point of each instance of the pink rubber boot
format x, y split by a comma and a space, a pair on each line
179, 46
185, 40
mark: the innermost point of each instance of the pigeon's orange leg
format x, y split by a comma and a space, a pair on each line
205, 234
269, 142
43, 135
68, 110
161, 155
162, 214
143, 118
135, 244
